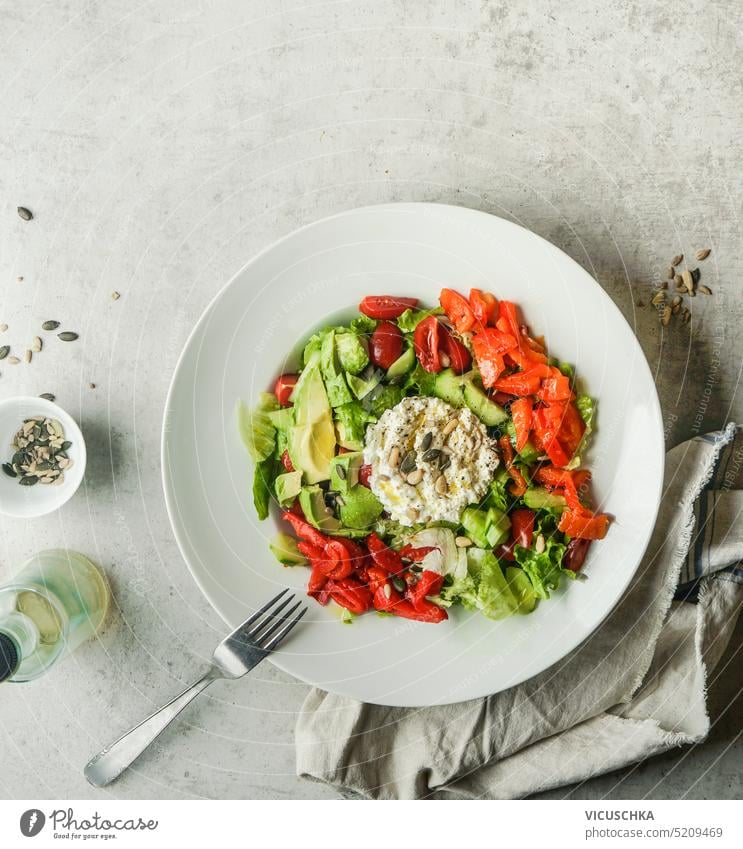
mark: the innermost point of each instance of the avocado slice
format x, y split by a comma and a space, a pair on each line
312, 436
285, 550
350, 463
449, 387
538, 498
402, 365
521, 587
287, 487
352, 352
486, 410
360, 386
359, 507
316, 511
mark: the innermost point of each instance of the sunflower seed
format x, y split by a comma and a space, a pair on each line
666, 316
703, 254
3, 328
13, 361
37, 345
67, 336
46, 479
50, 325
450, 426
408, 463
426, 442
676, 301
677, 280
394, 457
688, 281
414, 478
412, 514
677, 259
341, 472
705, 290
25, 214
4, 351
463, 542
441, 485
540, 544
387, 589
670, 272
9, 471
431, 455
658, 298
47, 396
27, 356
115, 296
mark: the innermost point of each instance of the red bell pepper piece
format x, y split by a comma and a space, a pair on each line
350, 594
521, 413
304, 530
384, 556
523, 382
338, 560
518, 487
583, 524
556, 387
429, 583
416, 555
484, 306
457, 309
365, 474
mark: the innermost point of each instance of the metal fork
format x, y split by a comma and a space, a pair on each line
235, 656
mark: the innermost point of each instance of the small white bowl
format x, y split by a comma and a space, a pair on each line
27, 502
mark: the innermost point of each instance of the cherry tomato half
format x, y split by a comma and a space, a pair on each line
522, 526
386, 344
386, 306
286, 461
364, 475
457, 307
460, 358
284, 388
426, 344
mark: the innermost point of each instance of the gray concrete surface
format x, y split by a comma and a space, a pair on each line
161, 144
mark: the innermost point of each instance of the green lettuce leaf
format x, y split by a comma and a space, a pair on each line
587, 409
383, 398
363, 325
411, 318
255, 427
263, 479
351, 420
544, 570
420, 381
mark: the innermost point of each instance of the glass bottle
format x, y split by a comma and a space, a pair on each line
57, 600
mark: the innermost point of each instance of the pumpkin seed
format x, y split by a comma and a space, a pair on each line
4, 351
677, 259
9, 471
50, 325
444, 461
399, 584
340, 471
47, 396
426, 442
703, 254
67, 336
25, 214
28, 480
695, 275
408, 463
431, 455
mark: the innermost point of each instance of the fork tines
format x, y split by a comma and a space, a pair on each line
266, 628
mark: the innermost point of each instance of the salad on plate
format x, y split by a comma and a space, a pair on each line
425, 458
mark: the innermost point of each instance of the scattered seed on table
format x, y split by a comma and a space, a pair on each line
4, 351
50, 325
67, 336
25, 214
47, 396
666, 316
676, 301
27, 356
115, 296
688, 281
705, 290
695, 275
37, 345
91, 386
19, 279
677, 259
13, 361
3, 328
677, 280
703, 254
658, 298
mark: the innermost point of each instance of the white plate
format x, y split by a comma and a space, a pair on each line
316, 276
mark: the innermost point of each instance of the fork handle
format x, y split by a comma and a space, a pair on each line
108, 764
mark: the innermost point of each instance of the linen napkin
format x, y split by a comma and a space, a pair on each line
635, 688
